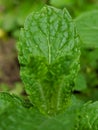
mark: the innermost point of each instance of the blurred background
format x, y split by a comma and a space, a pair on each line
12, 16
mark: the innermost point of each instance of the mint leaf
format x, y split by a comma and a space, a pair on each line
13, 114
49, 58
16, 116
88, 117
87, 26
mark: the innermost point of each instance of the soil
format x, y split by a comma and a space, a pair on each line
9, 66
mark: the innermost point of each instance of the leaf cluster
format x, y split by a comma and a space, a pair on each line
49, 52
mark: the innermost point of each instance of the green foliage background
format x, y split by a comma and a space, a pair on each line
12, 16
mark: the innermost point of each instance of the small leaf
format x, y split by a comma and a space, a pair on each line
88, 117
49, 58
87, 27
80, 83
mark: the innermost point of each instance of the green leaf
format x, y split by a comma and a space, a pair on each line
61, 3
13, 114
80, 83
49, 58
88, 117
87, 27
16, 116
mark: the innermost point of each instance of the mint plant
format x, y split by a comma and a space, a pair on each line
49, 55
49, 51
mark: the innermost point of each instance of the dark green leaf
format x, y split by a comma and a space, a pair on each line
16, 117
13, 114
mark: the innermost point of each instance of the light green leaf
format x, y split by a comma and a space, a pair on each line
49, 58
87, 26
88, 117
